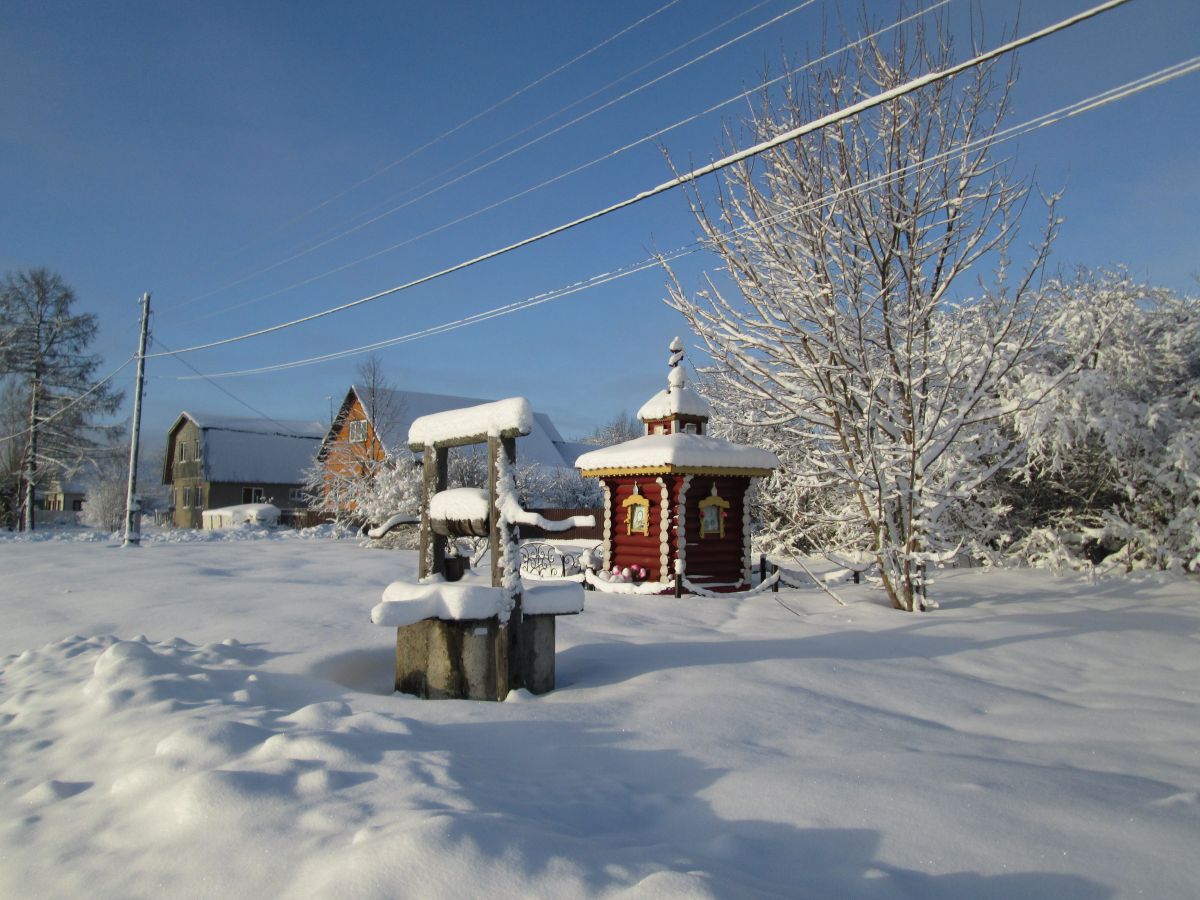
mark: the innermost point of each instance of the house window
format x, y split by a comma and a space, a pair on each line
252, 495
182, 451
76, 506
197, 495
187, 497
296, 495
358, 431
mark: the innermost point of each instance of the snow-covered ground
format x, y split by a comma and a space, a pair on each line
214, 718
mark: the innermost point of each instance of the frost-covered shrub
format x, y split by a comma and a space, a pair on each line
370, 491
1111, 462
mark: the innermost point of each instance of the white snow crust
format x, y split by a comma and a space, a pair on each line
543, 445
513, 414
241, 514
678, 450
558, 598
212, 715
406, 603
252, 457
459, 504
682, 400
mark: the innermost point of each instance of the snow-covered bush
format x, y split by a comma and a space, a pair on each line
371, 491
1111, 462
104, 507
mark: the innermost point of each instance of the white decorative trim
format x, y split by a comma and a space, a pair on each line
747, 564
738, 595
681, 526
606, 547
623, 587
664, 533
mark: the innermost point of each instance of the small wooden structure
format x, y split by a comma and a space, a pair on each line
675, 498
473, 640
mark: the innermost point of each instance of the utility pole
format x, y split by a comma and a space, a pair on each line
133, 503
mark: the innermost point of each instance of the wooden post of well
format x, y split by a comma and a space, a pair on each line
432, 559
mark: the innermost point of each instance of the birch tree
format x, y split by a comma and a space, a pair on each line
841, 326
52, 375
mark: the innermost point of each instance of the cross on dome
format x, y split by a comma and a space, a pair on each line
678, 408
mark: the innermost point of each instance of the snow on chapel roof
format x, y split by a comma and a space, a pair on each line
676, 399
679, 452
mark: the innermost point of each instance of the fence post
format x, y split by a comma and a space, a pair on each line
775, 586
678, 585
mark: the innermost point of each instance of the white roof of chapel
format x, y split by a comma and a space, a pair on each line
681, 451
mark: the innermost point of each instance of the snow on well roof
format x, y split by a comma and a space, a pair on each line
406, 604
460, 426
458, 504
543, 444
678, 451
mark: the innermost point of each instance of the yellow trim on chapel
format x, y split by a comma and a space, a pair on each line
615, 471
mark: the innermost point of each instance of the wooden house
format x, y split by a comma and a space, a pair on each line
371, 424
218, 461
676, 497
59, 502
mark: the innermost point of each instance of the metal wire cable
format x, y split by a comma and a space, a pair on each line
1096, 101
688, 177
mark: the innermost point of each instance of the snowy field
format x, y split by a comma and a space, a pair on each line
213, 719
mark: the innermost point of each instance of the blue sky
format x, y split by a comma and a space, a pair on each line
191, 149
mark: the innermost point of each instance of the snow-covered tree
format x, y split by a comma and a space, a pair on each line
394, 489
843, 335
1111, 466
559, 488
53, 376
354, 476
104, 507
622, 427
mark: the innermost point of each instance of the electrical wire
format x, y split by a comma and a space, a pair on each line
574, 171
1063, 113
221, 388
688, 177
441, 137
95, 387
484, 166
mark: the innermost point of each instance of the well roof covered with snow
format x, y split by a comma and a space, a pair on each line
397, 410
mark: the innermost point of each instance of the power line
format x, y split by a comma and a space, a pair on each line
1088, 104
512, 135
574, 171
441, 137
95, 387
219, 387
495, 106
506, 155
695, 174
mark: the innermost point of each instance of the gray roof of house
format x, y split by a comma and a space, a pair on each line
245, 450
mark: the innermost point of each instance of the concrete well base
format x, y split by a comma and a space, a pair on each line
475, 659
